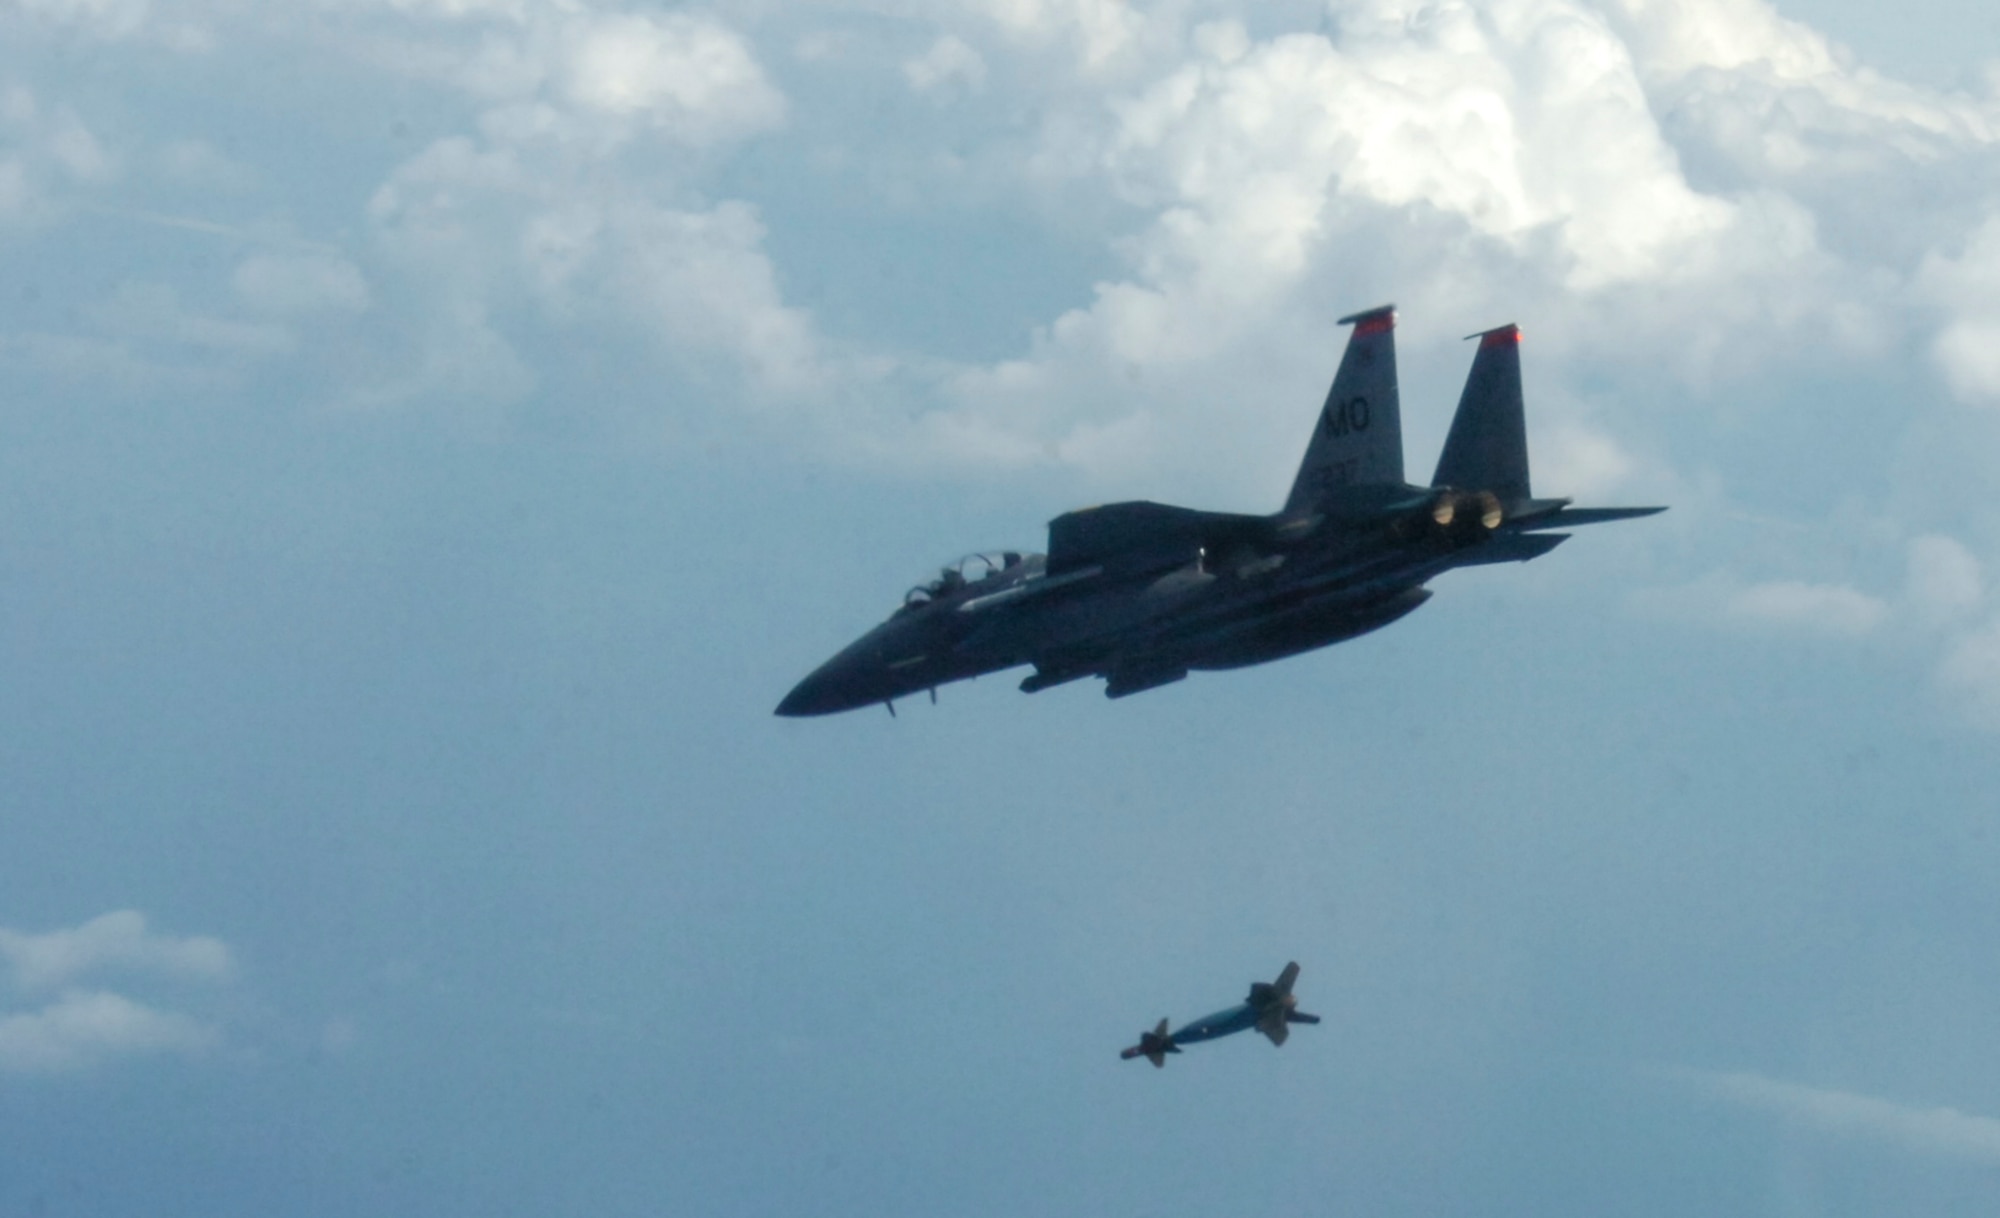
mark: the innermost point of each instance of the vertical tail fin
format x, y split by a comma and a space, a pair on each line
1359, 440
1487, 449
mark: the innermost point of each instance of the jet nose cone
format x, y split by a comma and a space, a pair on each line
859, 676
812, 696
838, 685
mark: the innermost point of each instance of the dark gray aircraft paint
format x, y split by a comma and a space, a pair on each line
1270, 1008
1141, 593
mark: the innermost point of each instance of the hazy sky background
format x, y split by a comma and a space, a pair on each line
435, 433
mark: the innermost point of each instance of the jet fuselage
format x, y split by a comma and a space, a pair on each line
1241, 596
1141, 593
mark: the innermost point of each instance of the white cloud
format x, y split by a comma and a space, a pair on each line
1477, 113
78, 362
703, 279
45, 150
154, 313
948, 63
1966, 289
1746, 53
689, 75
74, 1026
1675, 37
1936, 613
1584, 461
75, 149
1944, 581
516, 10
557, 207
114, 942
82, 1029
1100, 30
463, 366
198, 163
1970, 672
299, 285
1934, 1131
1824, 609
114, 18
478, 224
590, 77
1662, 182
1433, 149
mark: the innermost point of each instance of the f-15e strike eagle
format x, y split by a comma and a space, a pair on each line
1270, 1009
1141, 593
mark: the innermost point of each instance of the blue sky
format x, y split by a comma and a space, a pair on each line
436, 432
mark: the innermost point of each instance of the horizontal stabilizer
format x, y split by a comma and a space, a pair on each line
1511, 547
1273, 1025
1522, 511
1570, 517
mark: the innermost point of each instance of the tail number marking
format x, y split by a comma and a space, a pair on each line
1344, 417
1335, 474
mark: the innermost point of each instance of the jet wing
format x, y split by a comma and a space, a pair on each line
1511, 547
1140, 536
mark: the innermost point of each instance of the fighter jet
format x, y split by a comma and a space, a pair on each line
1270, 1009
1141, 593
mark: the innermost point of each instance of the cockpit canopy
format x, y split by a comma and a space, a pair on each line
972, 569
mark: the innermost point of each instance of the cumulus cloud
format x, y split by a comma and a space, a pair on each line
1491, 159
1827, 609
703, 279
200, 164
1939, 610
114, 18
44, 150
481, 223
687, 74
155, 314
1945, 581
86, 1028
1585, 461
1942, 586
1965, 286
591, 76
463, 363
74, 1025
949, 62
1672, 196
300, 285
1940, 1131
119, 941
1970, 671
1098, 30
1475, 112
557, 208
